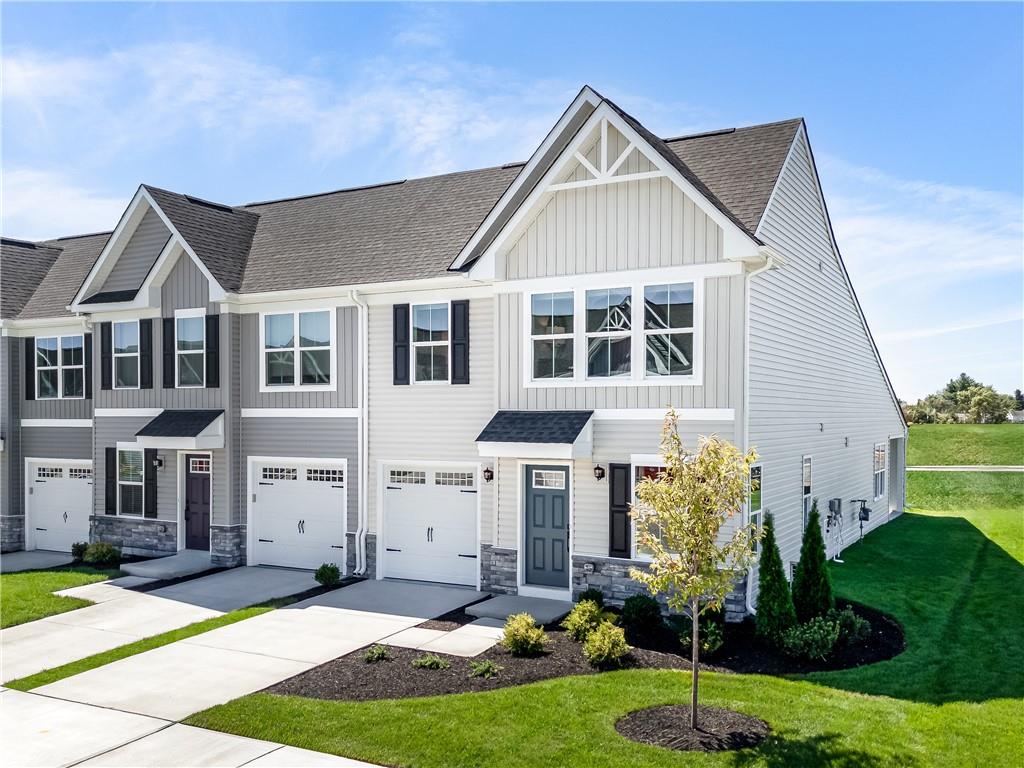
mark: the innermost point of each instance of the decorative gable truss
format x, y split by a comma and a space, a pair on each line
607, 157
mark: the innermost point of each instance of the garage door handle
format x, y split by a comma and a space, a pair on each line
472, 556
263, 483
266, 541
390, 549
337, 546
40, 481
394, 488
65, 517
464, 490
41, 529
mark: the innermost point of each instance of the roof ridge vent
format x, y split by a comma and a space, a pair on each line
209, 204
15, 241
705, 134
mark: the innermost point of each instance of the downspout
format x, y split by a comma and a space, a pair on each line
362, 447
770, 262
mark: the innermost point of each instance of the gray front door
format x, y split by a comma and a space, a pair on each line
546, 529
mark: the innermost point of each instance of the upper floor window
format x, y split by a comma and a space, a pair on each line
190, 348
879, 470
126, 354
130, 474
668, 329
60, 367
430, 342
298, 350
551, 334
609, 339
805, 490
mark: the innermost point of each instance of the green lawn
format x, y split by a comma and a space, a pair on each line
948, 444
29, 595
951, 573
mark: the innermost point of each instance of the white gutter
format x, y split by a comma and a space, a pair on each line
363, 448
771, 261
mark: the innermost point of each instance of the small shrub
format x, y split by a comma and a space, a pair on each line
376, 653
606, 646
641, 615
328, 574
775, 613
78, 550
583, 619
593, 594
812, 589
102, 555
522, 636
853, 629
431, 661
711, 631
485, 669
813, 640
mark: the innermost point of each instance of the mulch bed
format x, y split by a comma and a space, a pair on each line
669, 726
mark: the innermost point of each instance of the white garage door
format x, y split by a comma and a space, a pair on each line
59, 503
299, 513
430, 524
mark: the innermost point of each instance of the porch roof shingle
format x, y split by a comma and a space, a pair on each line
535, 427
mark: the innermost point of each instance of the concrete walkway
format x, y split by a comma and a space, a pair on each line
33, 560
969, 468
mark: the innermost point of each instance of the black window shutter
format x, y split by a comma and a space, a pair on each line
460, 342
110, 477
168, 352
400, 337
213, 351
619, 492
149, 483
88, 365
146, 353
106, 356
30, 368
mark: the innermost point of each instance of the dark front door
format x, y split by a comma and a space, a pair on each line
546, 532
197, 501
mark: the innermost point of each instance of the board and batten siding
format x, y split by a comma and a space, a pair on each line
10, 426
721, 328
815, 383
186, 287
307, 437
139, 254
56, 442
57, 408
430, 422
346, 393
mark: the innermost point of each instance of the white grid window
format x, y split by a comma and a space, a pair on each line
280, 473
544, 478
80, 473
190, 350
668, 329
322, 475
199, 465
754, 501
126, 354
49, 472
551, 335
609, 334
298, 358
407, 477
60, 367
131, 472
430, 342
805, 489
879, 470
461, 479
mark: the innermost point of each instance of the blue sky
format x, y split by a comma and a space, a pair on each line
914, 111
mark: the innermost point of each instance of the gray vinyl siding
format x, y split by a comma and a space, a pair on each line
186, 287
722, 328
56, 442
138, 255
57, 408
346, 393
814, 381
430, 422
327, 438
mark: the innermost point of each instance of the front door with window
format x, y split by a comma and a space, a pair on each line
546, 526
197, 501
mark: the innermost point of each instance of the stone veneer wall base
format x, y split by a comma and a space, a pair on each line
499, 570
12, 533
371, 555
135, 536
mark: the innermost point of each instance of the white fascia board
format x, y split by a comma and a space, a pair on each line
658, 414
681, 273
55, 326
585, 96
525, 450
127, 412
298, 413
56, 423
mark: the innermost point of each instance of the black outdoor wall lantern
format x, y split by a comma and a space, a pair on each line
599, 472
488, 474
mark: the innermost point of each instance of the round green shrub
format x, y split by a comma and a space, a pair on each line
853, 629
583, 619
641, 615
102, 555
522, 636
78, 550
328, 574
813, 640
592, 593
606, 646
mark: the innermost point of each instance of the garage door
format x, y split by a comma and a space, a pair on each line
59, 503
299, 513
430, 524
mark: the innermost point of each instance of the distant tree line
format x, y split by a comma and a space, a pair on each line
964, 400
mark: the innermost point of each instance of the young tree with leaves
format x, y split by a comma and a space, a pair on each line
812, 588
775, 611
680, 516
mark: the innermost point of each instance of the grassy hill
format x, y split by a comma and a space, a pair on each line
947, 444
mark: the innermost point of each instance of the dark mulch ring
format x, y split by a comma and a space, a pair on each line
351, 678
669, 727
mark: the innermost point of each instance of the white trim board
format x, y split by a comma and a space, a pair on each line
56, 422
141, 412
299, 413
617, 279
658, 414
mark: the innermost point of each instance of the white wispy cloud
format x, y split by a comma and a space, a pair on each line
30, 198
971, 324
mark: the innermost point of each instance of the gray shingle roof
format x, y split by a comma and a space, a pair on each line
535, 427
58, 288
24, 266
179, 423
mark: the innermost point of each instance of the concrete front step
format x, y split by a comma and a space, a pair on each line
544, 611
184, 563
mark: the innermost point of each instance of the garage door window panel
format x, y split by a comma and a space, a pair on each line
130, 477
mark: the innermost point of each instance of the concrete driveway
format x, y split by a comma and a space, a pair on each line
121, 616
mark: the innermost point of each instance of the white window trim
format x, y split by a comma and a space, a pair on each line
413, 344
750, 505
630, 334
806, 499
638, 369
297, 361
114, 354
183, 314
59, 367
879, 491
141, 484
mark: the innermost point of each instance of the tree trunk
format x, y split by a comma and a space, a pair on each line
694, 605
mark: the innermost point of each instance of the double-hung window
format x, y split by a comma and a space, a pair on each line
60, 367
190, 348
668, 329
130, 475
754, 501
879, 470
806, 488
298, 350
126, 354
430, 342
609, 336
551, 335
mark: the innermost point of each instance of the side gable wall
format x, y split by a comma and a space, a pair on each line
139, 254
